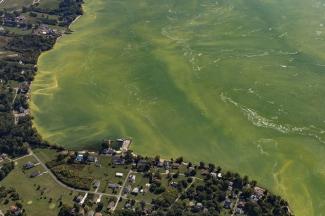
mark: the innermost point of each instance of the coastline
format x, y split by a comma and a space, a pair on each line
56, 40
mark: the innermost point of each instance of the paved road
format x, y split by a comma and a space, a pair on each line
121, 191
16, 159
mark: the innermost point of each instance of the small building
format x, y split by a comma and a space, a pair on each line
108, 151
175, 166
92, 159
167, 164
28, 165
127, 189
143, 166
126, 145
239, 211
118, 161
35, 174
113, 186
111, 205
227, 204
135, 191
79, 158
118, 174
174, 184
78, 198
160, 163
213, 175
132, 178
259, 192
96, 184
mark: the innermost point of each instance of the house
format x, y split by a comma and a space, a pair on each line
117, 145
175, 165
143, 166
241, 204
92, 159
259, 192
14, 210
205, 172
254, 197
28, 165
108, 151
167, 164
113, 186
79, 158
96, 184
174, 184
160, 163
132, 178
118, 174
135, 191
78, 198
35, 174
128, 205
213, 175
118, 161
127, 189
227, 204
199, 205
239, 211
20, 19
111, 205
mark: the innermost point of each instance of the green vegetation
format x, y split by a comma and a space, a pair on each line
156, 187
238, 83
139, 185
25, 32
40, 195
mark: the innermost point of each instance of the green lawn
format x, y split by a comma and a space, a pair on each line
46, 154
36, 192
49, 4
15, 4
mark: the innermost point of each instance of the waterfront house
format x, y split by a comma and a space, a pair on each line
79, 158
143, 166
108, 151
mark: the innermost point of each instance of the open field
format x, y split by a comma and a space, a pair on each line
18, 4
14, 4
237, 83
37, 192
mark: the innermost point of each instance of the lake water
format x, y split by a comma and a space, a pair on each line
238, 83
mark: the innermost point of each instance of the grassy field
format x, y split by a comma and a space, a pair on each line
37, 192
18, 4
15, 4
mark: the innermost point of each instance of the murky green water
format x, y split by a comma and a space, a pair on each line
239, 83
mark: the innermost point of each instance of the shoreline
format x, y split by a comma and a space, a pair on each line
30, 95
